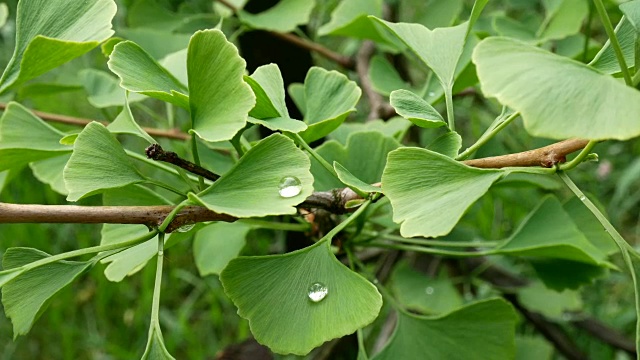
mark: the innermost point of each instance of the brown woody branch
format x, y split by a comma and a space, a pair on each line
344, 61
64, 119
155, 152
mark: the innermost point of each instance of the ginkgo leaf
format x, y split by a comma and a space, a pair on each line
98, 162
350, 18
445, 187
125, 124
219, 98
284, 17
51, 32
216, 244
542, 87
295, 302
415, 109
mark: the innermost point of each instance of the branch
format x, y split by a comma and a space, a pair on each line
547, 156
344, 61
146, 215
155, 152
171, 134
380, 109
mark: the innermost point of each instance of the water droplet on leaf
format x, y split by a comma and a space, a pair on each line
583, 198
429, 290
160, 253
317, 292
431, 93
289, 186
185, 228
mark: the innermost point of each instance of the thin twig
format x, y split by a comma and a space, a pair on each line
379, 109
170, 134
156, 152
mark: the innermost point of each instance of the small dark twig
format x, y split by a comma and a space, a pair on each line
156, 152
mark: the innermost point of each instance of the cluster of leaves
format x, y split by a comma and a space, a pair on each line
426, 191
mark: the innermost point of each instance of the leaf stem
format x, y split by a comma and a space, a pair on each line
315, 155
155, 304
85, 251
608, 28
448, 99
172, 215
488, 135
427, 250
346, 222
196, 159
430, 242
580, 157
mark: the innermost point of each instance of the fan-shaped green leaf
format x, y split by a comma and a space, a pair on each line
24, 138
125, 124
350, 18
352, 181
550, 303
272, 292
284, 17
384, 77
98, 162
251, 187
606, 60
216, 244
482, 330
219, 99
430, 192
4, 14
564, 274
447, 144
140, 73
364, 155
395, 128
329, 97
563, 18
24, 297
51, 32
49, 171
589, 226
549, 232
270, 109
543, 87
413, 108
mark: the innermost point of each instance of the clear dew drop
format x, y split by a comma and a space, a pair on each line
429, 290
431, 93
289, 186
160, 253
185, 228
583, 198
317, 292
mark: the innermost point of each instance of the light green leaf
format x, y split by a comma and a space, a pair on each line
396, 128
284, 17
219, 99
216, 244
102, 89
440, 49
329, 97
125, 124
418, 292
631, 11
296, 91
270, 109
176, 64
250, 188
384, 76
9, 274
445, 189
352, 181
4, 14
447, 144
155, 349
49, 171
550, 303
523, 77
606, 60
432, 14
533, 348
25, 296
365, 155
24, 138
157, 43
272, 293
50, 33
413, 108
350, 18
563, 19
98, 162
548, 231
140, 73
482, 330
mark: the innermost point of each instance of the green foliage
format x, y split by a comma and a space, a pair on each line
311, 203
